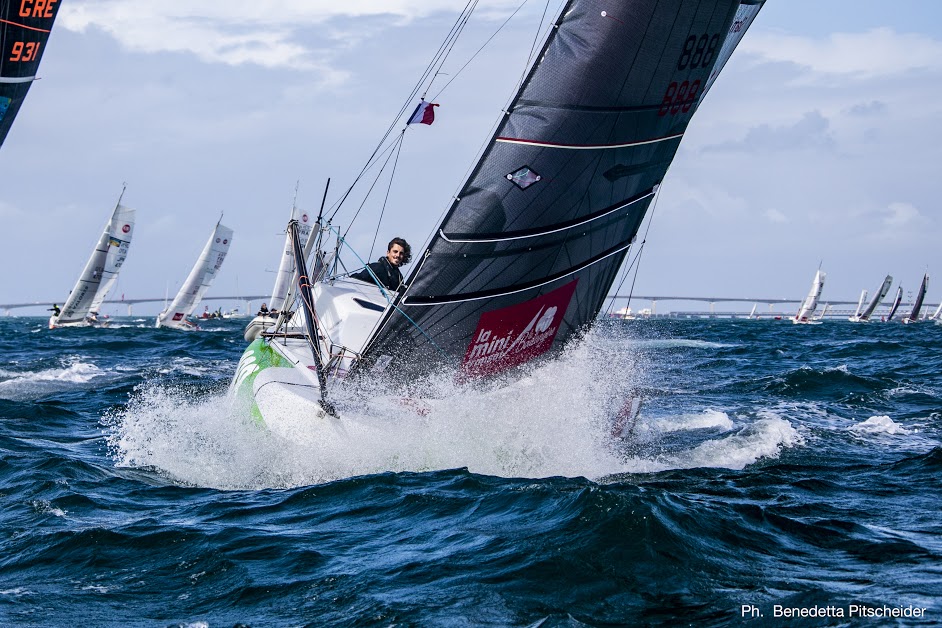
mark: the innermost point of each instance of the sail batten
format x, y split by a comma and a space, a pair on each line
544, 144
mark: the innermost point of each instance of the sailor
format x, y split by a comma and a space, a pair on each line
263, 311
54, 309
386, 269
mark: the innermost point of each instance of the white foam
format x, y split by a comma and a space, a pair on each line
708, 419
879, 425
29, 385
555, 422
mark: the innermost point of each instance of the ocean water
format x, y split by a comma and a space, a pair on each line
777, 474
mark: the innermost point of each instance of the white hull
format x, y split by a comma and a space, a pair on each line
277, 376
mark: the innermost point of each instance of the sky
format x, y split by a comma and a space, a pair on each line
819, 144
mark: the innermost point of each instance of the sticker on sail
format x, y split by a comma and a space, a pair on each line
523, 177
4, 105
513, 335
178, 316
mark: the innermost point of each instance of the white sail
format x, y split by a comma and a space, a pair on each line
286, 267
122, 225
810, 303
860, 303
198, 281
937, 313
752, 314
100, 271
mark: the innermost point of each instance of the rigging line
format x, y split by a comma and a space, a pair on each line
474, 56
337, 204
535, 45
392, 176
641, 248
451, 47
375, 181
453, 33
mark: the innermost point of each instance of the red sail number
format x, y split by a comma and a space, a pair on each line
679, 98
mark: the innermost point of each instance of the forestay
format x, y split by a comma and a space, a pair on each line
525, 256
24, 29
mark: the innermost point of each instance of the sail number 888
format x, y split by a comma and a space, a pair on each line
698, 52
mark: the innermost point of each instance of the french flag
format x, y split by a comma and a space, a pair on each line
423, 114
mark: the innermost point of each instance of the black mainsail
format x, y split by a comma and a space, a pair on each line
525, 256
24, 28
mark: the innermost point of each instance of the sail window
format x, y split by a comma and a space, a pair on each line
523, 177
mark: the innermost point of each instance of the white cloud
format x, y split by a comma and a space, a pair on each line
236, 32
902, 215
878, 52
774, 215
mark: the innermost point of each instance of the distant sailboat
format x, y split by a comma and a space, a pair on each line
917, 304
860, 305
100, 273
823, 313
896, 302
864, 316
198, 281
810, 303
283, 279
752, 314
937, 313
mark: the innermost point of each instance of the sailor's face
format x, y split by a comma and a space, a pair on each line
396, 254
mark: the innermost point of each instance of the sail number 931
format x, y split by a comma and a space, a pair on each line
24, 51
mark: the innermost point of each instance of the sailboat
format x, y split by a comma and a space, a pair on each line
896, 301
863, 316
913, 315
198, 281
525, 255
283, 278
810, 303
100, 272
24, 30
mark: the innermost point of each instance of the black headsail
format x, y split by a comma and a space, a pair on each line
526, 255
24, 29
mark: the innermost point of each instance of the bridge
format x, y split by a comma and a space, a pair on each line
832, 312
653, 300
6, 307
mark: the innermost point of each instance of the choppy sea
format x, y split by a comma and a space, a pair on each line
777, 474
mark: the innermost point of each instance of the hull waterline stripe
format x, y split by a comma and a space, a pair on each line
517, 140
459, 298
508, 237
